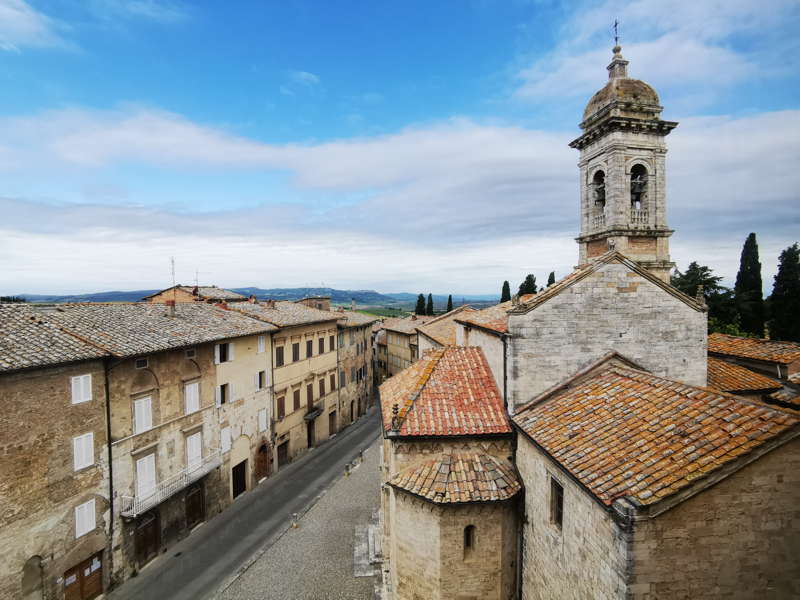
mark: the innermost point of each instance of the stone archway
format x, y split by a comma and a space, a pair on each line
32, 585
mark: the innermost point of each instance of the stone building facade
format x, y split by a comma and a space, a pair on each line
54, 515
188, 293
355, 365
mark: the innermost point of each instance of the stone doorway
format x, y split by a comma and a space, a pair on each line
85, 580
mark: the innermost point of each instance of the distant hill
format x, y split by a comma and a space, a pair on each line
362, 297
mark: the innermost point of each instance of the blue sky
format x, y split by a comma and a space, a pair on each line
395, 146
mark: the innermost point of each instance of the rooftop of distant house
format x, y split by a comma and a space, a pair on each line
28, 340
283, 313
407, 325
623, 432
204, 292
447, 392
442, 329
754, 348
494, 317
728, 377
351, 318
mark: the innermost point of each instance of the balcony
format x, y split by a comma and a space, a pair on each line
639, 216
133, 506
598, 220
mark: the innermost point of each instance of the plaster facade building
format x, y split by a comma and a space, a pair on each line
402, 342
304, 365
355, 364
188, 293
54, 514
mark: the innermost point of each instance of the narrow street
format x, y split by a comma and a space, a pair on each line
196, 567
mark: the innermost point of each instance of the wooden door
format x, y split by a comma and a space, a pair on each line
283, 454
147, 537
84, 581
195, 506
332, 423
310, 433
263, 462
239, 473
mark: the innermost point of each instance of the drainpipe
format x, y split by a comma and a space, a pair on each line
272, 437
110, 473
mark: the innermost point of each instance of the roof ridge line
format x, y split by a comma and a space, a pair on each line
421, 383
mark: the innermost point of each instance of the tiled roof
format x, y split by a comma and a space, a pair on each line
131, 329
205, 292
625, 432
455, 478
494, 318
407, 325
283, 313
727, 377
449, 391
351, 318
788, 396
28, 339
589, 268
442, 329
757, 349
380, 337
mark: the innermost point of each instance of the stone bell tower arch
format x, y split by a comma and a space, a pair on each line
622, 173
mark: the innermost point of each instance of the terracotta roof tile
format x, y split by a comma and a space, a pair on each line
283, 313
28, 339
407, 325
788, 396
455, 478
754, 348
728, 377
442, 329
449, 391
206, 292
494, 318
625, 432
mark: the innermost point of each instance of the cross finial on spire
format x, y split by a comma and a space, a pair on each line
616, 32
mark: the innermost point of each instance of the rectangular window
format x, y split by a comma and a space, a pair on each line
281, 407
194, 451
262, 344
146, 476
295, 351
296, 397
81, 388
321, 388
191, 395
191, 353
262, 420
333, 381
225, 439
223, 353
224, 394
142, 415
352, 374
309, 348
321, 345
141, 363
341, 379
341, 340
556, 503
83, 451
261, 380
84, 518
310, 396
279, 356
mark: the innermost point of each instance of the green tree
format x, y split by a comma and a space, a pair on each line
528, 286
505, 296
420, 309
551, 278
747, 293
721, 307
11, 299
429, 306
785, 298
449, 303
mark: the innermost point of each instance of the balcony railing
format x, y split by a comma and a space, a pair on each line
598, 220
133, 506
639, 216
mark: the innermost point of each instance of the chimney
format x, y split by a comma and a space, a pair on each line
252, 299
195, 291
222, 304
700, 296
170, 308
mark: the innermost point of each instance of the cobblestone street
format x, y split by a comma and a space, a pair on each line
316, 561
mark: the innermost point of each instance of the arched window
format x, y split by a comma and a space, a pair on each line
599, 189
469, 540
638, 187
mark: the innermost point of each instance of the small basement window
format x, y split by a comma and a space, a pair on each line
556, 503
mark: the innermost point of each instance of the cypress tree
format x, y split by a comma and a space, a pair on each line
505, 295
429, 307
420, 309
449, 303
785, 299
551, 279
528, 286
747, 292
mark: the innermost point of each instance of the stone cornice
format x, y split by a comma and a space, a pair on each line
622, 124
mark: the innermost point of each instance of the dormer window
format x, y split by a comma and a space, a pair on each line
638, 187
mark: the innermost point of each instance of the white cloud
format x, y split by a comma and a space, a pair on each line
304, 78
160, 11
21, 25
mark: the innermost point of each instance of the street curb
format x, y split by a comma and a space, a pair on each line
276, 538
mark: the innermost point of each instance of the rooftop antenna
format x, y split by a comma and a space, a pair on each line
171, 309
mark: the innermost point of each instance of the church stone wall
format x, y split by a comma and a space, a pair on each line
739, 539
586, 558
614, 308
415, 548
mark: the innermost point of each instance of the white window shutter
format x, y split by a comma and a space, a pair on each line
146, 476
216, 354
262, 343
217, 396
84, 518
255, 381
77, 453
194, 451
192, 394
231, 345
232, 390
87, 388
76, 389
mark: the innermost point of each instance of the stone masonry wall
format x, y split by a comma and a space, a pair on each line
586, 558
611, 309
415, 548
738, 539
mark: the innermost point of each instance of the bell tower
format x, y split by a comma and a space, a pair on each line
622, 174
